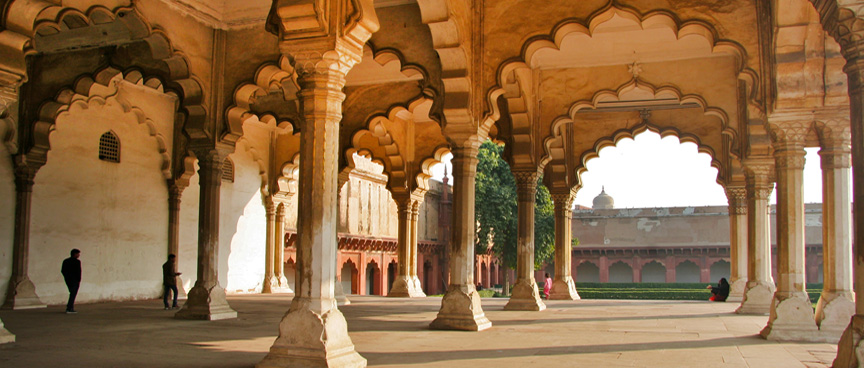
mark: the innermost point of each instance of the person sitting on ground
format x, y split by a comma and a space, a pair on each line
547, 285
720, 292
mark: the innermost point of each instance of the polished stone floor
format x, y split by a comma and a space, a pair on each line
394, 333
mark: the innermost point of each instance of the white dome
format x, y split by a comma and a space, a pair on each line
603, 201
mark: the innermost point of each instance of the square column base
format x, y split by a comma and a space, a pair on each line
461, 310
22, 295
5, 336
757, 299
850, 351
525, 297
270, 285
736, 291
564, 289
406, 287
309, 339
206, 304
833, 311
791, 319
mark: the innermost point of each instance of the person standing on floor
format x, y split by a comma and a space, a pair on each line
169, 280
547, 285
71, 271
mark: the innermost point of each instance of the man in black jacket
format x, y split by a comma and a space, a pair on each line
169, 279
71, 271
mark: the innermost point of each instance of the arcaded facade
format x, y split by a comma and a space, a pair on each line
140, 128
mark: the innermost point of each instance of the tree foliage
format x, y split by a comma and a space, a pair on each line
496, 212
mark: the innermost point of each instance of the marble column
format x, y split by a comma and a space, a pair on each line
271, 283
175, 191
279, 259
563, 286
21, 293
837, 303
525, 295
460, 307
206, 300
791, 317
314, 333
737, 196
760, 286
406, 284
850, 347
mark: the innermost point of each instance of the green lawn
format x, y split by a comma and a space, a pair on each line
662, 291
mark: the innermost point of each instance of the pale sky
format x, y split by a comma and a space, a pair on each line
654, 172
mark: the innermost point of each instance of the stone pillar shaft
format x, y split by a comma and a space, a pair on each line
407, 284
279, 243
206, 300
760, 285
563, 286
21, 293
738, 242
460, 307
175, 192
270, 281
525, 293
791, 317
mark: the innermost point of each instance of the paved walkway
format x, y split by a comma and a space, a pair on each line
394, 333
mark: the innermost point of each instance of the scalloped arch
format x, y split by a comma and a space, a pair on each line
385, 59
268, 78
655, 19
98, 90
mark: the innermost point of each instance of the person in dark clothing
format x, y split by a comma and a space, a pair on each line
720, 292
71, 271
169, 280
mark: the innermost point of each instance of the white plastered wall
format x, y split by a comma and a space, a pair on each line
115, 213
243, 221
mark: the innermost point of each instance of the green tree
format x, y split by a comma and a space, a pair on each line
496, 210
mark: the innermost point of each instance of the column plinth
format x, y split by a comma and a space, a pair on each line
759, 289
563, 286
525, 294
460, 307
21, 293
206, 300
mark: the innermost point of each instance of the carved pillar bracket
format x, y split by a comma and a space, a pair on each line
837, 302
406, 284
460, 307
737, 196
206, 300
563, 285
760, 286
21, 293
525, 295
791, 315
324, 39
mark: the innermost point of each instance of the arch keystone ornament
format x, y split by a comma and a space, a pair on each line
325, 39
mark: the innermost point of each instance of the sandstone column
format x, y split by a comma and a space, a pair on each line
175, 191
737, 196
406, 284
836, 304
206, 300
760, 286
791, 317
279, 259
525, 294
321, 62
460, 307
850, 347
563, 286
21, 293
271, 283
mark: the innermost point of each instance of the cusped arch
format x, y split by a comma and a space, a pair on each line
508, 70
269, 77
385, 61
97, 90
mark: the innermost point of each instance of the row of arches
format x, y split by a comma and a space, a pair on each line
621, 271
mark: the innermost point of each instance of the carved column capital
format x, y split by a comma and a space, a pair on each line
281, 211
737, 197
526, 184
789, 133
835, 138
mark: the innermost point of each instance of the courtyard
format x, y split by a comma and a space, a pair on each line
394, 333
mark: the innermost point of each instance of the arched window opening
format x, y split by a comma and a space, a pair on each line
228, 170
109, 147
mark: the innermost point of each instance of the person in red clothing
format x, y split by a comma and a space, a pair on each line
547, 287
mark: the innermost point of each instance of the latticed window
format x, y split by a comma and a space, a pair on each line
109, 147
228, 170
